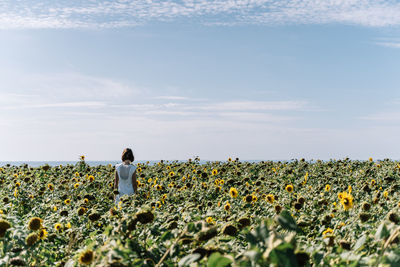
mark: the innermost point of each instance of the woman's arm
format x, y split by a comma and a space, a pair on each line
116, 180
134, 183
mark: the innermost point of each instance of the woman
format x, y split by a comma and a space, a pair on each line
125, 176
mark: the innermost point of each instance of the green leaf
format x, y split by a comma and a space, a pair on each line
283, 255
286, 221
216, 260
382, 232
360, 242
187, 260
166, 235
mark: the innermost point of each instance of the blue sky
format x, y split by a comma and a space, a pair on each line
176, 79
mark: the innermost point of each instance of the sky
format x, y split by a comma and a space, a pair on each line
253, 79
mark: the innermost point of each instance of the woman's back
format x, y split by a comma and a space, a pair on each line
125, 172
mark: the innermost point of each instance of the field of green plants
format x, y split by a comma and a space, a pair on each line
232, 213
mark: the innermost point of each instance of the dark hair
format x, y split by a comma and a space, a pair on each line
127, 154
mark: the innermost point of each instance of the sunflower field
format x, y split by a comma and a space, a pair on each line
232, 213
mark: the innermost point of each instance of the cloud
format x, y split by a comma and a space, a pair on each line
389, 44
390, 117
87, 104
127, 13
171, 97
53, 90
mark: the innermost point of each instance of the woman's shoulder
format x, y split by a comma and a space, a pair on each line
118, 165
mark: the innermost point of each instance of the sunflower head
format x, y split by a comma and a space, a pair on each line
4, 226
346, 201
31, 239
42, 233
210, 220
327, 233
278, 209
243, 222
81, 211
289, 188
249, 198
327, 188
58, 227
270, 198
214, 172
35, 223
366, 206
227, 206
229, 229
86, 257
233, 192
67, 201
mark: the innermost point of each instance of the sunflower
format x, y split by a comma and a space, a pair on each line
221, 181
67, 201
227, 206
17, 184
210, 220
82, 157
91, 178
373, 182
158, 204
346, 201
86, 201
289, 188
4, 226
385, 194
248, 198
171, 174
254, 198
214, 172
327, 233
229, 159
270, 198
327, 188
139, 170
31, 239
50, 187
81, 211
35, 223
58, 227
42, 233
158, 187
76, 185
233, 192
86, 257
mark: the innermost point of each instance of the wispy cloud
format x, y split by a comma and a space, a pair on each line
128, 13
389, 44
87, 104
171, 97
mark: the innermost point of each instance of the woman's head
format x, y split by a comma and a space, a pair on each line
127, 154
